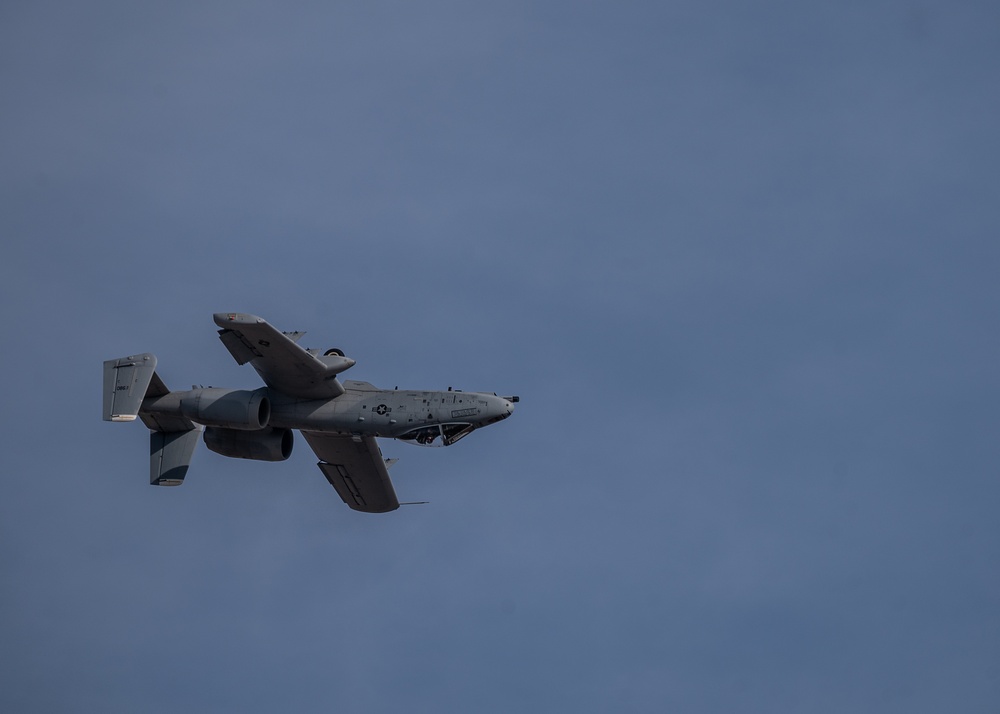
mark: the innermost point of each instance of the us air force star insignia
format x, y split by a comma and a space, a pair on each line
382, 409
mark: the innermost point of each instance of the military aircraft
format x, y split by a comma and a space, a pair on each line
338, 420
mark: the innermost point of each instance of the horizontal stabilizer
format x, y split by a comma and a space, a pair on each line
125, 383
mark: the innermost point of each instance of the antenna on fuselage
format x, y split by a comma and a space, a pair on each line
413, 503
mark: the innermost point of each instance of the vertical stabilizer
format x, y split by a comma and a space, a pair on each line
170, 455
125, 383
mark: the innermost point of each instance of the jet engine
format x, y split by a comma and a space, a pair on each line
268, 444
230, 408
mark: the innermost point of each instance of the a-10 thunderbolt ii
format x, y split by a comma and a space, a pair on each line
339, 420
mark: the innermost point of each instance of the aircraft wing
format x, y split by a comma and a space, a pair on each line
355, 467
281, 363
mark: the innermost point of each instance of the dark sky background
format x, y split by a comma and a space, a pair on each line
738, 259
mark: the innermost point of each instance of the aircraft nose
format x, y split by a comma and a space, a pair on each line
508, 405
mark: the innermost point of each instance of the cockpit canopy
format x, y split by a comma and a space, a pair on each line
438, 434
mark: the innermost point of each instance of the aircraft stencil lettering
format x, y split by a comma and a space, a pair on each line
302, 392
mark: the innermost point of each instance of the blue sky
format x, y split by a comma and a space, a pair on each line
739, 261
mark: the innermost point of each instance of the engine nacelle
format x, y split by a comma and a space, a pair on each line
229, 408
268, 444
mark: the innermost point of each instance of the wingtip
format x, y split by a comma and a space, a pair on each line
228, 319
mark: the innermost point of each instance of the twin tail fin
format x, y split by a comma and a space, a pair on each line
172, 440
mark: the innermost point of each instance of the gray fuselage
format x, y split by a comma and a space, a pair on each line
398, 413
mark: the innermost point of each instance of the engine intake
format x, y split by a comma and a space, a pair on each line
268, 444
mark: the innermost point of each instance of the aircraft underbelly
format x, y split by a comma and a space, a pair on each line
376, 413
